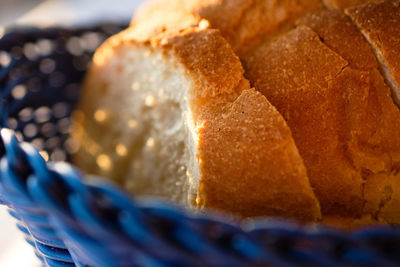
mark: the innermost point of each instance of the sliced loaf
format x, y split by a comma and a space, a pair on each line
335, 80
173, 117
325, 79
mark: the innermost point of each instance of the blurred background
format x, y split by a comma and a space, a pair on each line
65, 12
14, 252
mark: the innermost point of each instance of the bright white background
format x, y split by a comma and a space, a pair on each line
14, 252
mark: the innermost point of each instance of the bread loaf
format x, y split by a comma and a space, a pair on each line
174, 117
331, 69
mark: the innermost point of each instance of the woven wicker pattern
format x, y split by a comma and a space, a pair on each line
89, 222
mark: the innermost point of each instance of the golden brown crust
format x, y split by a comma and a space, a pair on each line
339, 33
380, 23
155, 17
251, 138
349, 222
374, 121
382, 195
342, 4
294, 73
382, 203
244, 23
343, 120
250, 164
206, 53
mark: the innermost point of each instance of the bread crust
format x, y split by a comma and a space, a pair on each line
243, 23
342, 119
380, 23
293, 72
216, 69
338, 32
250, 163
343, 4
249, 184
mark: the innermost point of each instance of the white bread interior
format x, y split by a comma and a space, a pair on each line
149, 109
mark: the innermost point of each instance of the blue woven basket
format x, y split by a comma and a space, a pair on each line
71, 221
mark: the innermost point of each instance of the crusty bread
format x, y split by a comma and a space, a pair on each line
356, 137
334, 78
324, 79
311, 104
172, 116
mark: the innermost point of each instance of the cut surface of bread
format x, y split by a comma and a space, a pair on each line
173, 117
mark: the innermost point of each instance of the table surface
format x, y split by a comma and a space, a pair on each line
14, 251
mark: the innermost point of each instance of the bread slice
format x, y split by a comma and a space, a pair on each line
243, 23
338, 107
374, 141
173, 117
296, 73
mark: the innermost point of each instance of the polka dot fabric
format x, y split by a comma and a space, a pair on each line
41, 72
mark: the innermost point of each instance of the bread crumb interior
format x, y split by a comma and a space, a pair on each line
150, 138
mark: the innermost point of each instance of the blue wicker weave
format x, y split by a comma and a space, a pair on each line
72, 221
